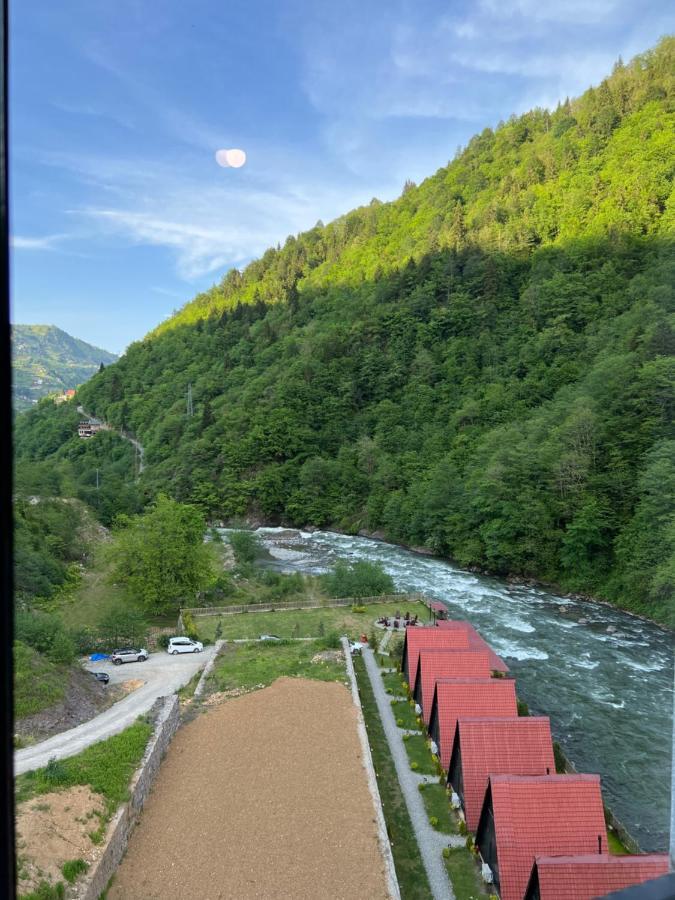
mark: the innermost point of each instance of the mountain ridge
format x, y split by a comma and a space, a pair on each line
482, 367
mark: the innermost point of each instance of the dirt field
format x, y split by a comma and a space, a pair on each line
264, 796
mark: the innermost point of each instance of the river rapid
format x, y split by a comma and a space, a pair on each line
604, 677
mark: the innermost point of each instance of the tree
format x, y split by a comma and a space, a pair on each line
160, 557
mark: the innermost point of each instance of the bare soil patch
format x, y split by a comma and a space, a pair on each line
52, 829
264, 796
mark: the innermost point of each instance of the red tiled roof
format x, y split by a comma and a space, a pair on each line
475, 640
587, 877
539, 816
437, 606
416, 638
499, 746
435, 664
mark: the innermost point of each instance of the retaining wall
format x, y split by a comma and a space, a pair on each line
124, 821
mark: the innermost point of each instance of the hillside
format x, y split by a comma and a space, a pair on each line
483, 366
46, 359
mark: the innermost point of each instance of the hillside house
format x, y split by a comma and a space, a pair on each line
433, 665
493, 746
65, 395
587, 877
524, 817
429, 638
89, 427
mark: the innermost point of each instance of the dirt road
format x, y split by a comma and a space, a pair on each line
162, 675
264, 796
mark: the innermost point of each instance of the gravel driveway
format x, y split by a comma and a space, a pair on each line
162, 674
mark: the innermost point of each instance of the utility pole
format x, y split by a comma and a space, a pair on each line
97, 479
190, 410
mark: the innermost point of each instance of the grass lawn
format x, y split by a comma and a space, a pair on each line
419, 753
411, 875
436, 804
614, 844
106, 767
301, 622
394, 681
247, 665
405, 716
38, 682
93, 597
464, 875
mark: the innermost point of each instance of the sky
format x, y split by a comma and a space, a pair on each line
119, 212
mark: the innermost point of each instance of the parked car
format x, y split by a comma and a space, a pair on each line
127, 654
269, 637
101, 676
184, 645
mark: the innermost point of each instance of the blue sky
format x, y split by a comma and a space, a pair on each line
119, 211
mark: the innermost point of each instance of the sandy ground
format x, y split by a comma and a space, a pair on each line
264, 796
53, 828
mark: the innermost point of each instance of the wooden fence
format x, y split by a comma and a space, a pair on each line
277, 606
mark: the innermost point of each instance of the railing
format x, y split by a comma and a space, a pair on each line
274, 606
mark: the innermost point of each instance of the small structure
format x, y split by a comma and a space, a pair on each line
475, 640
586, 877
438, 610
65, 395
526, 817
89, 427
433, 665
425, 637
482, 747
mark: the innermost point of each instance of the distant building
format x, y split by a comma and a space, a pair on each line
89, 427
66, 395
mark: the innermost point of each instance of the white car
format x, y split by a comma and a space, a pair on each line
184, 645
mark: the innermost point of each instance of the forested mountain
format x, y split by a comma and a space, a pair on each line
483, 366
46, 359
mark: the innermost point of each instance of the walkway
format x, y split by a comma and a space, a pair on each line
430, 841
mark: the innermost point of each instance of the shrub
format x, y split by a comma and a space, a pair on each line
523, 708
433, 821
189, 626
163, 641
359, 579
406, 737
461, 828
421, 787
469, 842
331, 641
219, 629
245, 545
414, 766
399, 722
46, 891
358, 609
72, 868
446, 853
55, 772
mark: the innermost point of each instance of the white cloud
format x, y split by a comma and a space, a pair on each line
46, 242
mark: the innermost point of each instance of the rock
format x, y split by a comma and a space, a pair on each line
611, 629
582, 621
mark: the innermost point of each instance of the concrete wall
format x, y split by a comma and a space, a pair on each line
124, 821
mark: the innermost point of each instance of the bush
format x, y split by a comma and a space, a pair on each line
406, 737
72, 868
523, 708
359, 579
422, 786
163, 641
123, 628
245, 545
433, 821
461, 828
55, 772
358, 609
331, 641
46, 634
469, 842
446, 853
189, 626
46, 891
399, 722
414, 766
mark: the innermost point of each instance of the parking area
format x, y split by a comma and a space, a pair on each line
161, 675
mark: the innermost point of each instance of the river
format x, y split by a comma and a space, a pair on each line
604, 677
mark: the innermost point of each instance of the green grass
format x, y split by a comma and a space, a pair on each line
38, 682
411, 875
106, 767
46, 891
436, 804
418, 752
405, 716
464, 874
394, 681
73, 868
188, 689
248, 665
302, 622
614, 844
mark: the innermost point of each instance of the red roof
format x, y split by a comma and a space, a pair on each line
475, 640
437, 606
499, 746
539, 816
435, 664
586, 877
416, 638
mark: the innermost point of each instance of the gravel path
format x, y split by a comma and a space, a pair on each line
264, 796
430, 841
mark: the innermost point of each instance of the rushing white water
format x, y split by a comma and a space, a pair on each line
603, 676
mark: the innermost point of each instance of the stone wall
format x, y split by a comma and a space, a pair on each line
124, 821
201, 684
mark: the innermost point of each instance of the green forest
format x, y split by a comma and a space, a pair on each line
483, 366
